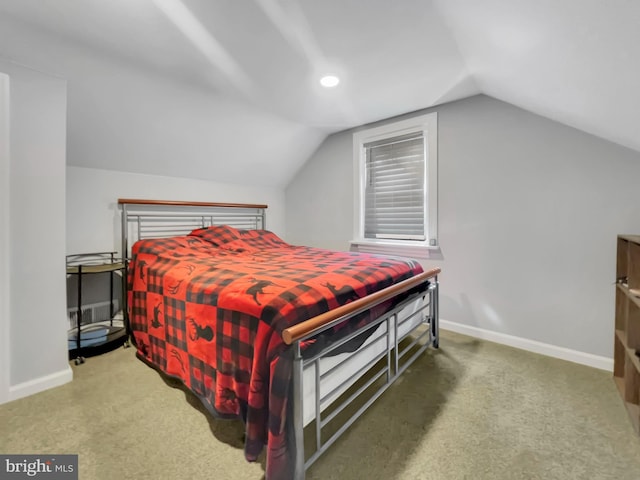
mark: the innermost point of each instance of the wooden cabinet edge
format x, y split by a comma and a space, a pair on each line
626, 363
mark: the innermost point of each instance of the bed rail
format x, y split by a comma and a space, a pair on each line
324, 321
179, 203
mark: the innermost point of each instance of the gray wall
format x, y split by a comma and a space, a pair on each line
124, 116
93, 216
529, 210
36, 291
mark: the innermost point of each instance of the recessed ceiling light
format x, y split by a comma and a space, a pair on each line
329, 81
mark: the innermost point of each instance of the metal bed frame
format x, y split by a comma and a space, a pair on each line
143, 219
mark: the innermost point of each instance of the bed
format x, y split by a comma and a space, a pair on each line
282, 336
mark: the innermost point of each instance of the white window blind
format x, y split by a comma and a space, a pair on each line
395, 188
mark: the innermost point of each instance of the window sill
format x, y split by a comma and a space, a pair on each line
399, 249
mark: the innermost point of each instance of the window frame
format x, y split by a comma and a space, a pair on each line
427, 124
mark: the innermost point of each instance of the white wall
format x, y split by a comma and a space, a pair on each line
93, 218
529, 210
36, 176
5, 254
125, 116
320, 200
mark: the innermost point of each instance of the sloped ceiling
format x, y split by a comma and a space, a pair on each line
228, 89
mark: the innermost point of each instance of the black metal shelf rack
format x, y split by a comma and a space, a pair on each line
105, 334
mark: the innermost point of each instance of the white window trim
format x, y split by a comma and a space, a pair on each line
428, 125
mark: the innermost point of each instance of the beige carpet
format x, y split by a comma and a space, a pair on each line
470, 410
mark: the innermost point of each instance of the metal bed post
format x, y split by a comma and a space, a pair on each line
433, 301
298, 418
125, 232
111, 302
79, 358
125, 274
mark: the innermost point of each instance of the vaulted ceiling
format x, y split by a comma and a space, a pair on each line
228, 89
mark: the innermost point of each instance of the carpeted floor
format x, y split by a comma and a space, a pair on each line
470, 410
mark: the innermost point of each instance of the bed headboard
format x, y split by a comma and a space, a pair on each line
143, 219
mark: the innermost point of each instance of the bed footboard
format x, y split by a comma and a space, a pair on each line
374, 376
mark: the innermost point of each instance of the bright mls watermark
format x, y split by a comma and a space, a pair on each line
52, 467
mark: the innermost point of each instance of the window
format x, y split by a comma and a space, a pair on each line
396, 185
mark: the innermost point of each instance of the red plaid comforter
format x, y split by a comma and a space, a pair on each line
210, 307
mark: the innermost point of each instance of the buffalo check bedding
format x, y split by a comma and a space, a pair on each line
209, 308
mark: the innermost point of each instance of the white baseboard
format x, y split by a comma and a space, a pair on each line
40, 384
596, 361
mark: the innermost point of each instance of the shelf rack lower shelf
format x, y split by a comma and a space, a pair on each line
96, 334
